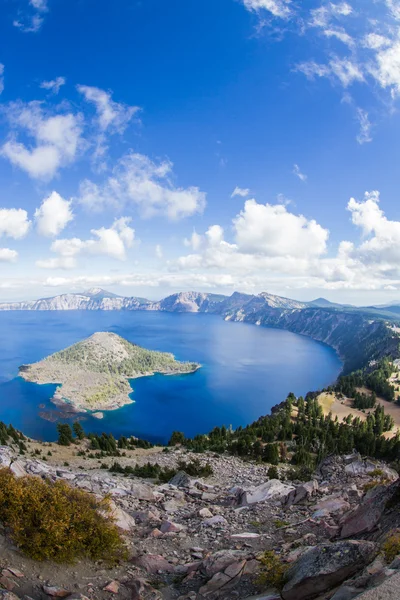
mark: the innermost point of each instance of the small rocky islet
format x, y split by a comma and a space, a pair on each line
94, 374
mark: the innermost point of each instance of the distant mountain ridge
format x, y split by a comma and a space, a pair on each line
99, 299
359, 335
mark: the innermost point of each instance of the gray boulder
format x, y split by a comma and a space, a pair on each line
302, 492
271, 490
388, 590
366, 516
180, 479
365, 467
326, 566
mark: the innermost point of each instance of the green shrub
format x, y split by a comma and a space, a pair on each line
391, 546
53, 521
273, 473
272, 570
280, 523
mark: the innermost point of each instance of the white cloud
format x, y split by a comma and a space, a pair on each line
266, 238
113, 242
380, 249
7, 255
278, 8
272, 230
14, 222
159, 251
299, 174
340, 35
375, 41
31, 22
387, 71
344, 70
54, 85
110, 115
40, 5
195, 241
269, 242
61, 262
139, 181
323, 15
311, 69
364, 135
242, 192
57, 139
1, 78
53, 215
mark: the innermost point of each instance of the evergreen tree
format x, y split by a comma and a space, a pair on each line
78, 430
65, 437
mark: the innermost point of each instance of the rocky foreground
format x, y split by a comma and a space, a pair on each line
195, 539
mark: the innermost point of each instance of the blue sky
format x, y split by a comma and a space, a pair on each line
150, 147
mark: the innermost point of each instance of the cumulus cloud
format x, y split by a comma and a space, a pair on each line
53, 85
137, 180
113, 242
7, 255
380, 248
56, 139
272, 230
14, 223
269, 242
53, 215
297, 171
242, 192
265, 237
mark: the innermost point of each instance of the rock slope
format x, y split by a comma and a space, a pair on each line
196, 539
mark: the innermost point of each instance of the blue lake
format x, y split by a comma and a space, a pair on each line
246, 370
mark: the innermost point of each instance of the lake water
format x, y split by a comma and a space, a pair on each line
246, 370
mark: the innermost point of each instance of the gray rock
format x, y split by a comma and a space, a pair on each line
346, 593
272, 489
332, 505
365, 517
219, 561
302, 492
325, 566
266, 596
180, 479
388, 590
217, 520
152, 563
364, 467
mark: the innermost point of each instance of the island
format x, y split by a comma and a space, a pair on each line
93, 375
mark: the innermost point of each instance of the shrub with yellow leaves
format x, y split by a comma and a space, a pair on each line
53, 521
